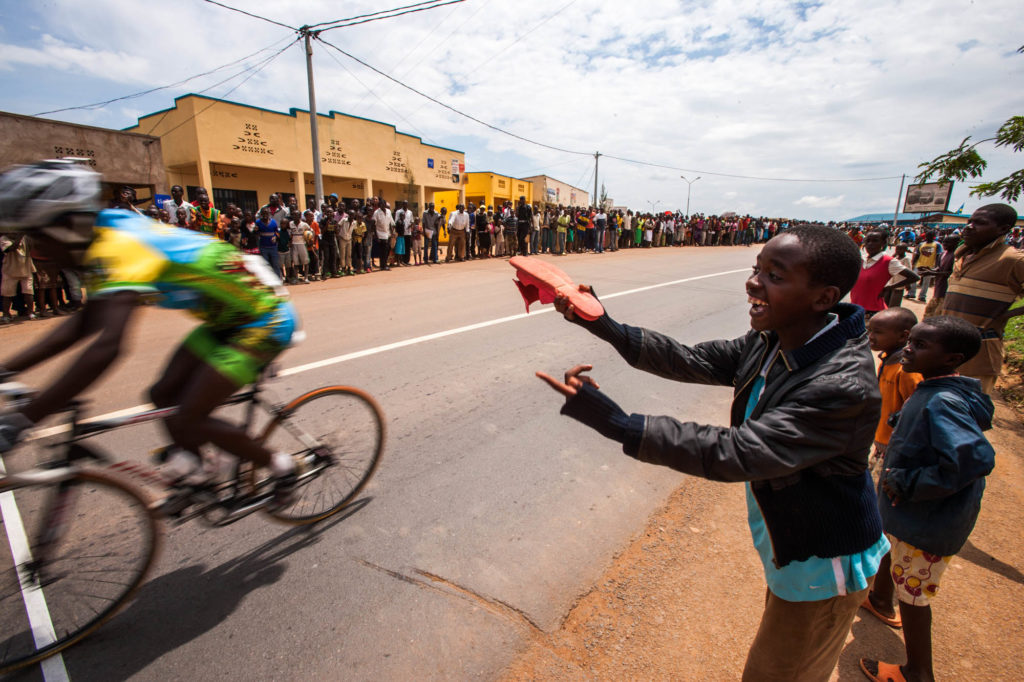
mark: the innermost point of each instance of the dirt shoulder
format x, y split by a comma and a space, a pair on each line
683, 600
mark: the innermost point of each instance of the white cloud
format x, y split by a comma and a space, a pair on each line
820, 202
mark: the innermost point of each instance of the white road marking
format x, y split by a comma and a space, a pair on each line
327, 362
35, 602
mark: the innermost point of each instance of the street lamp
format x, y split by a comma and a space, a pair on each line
689, 183
654, 205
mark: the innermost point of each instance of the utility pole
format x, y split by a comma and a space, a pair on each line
318, 178
896, 214
597, 155
689, 184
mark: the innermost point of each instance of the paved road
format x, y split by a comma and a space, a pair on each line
490, 513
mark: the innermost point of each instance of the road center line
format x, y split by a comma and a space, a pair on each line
327, 362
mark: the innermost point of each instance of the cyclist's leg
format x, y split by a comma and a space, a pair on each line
168, 389
193, 426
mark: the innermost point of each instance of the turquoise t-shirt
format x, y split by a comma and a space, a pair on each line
814, 579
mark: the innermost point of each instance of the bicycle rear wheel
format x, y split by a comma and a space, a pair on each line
336, 435
99, 556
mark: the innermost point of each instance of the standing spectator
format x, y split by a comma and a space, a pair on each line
926, 257
877, 270
344, 234
483, 233
431, 230
176, 202
600, 225
535, 231
547, 231
269, 232
803, 418
524, 225
458, 224
562, 229
403, 231
941, 273
508, 227
17, 271
888, 332
277, 211
330, 244
205, 218
988, 276
471, 231
311, 235
250, 235
384, 228
933, 481
360, 235
893, 294
417, 242
284, 249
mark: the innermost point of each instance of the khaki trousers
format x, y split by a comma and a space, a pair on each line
801, 641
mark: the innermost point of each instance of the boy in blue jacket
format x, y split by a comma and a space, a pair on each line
932, 481
804, 412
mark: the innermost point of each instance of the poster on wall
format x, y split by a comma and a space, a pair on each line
929, 197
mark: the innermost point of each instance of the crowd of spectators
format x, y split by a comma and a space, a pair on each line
339, 239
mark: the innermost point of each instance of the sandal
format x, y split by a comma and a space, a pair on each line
892, 621
885, 672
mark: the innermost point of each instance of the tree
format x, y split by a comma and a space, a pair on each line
604, 198
965, 162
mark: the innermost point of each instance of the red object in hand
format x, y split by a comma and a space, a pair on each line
541, 281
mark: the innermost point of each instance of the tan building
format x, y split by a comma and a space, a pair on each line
551, 191
243, 154
494, 189
120, 158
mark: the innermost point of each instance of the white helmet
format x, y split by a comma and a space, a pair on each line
37, 195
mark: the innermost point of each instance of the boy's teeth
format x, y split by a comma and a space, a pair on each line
756, 301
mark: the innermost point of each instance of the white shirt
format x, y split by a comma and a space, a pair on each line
382, 221
895, 267
458, 221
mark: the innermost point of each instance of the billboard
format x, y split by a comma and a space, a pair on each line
929, 197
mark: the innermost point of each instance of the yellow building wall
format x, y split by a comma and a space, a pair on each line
493, 189
269, 151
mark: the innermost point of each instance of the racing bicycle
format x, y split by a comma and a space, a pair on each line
84, 531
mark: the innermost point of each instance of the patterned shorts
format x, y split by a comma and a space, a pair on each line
916, 573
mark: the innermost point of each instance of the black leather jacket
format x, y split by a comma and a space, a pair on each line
805, 445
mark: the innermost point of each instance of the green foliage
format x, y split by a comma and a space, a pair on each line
965, 162
1014, 340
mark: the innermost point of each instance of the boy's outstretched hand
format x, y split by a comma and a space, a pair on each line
574, 378
567, 309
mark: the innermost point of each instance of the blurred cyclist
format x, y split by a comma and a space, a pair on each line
128, 258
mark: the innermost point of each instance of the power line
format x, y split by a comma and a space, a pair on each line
248, 14
479, 8
389, 16
370, 90
372, 14
448, 106
253, 71
98, 105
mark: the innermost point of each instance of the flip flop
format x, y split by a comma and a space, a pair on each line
891, 621
887, 672
541, 281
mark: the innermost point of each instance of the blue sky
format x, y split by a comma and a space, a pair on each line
802, 91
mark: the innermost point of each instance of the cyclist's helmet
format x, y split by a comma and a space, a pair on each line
37, 195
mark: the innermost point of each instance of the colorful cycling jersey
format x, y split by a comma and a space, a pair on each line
210, 278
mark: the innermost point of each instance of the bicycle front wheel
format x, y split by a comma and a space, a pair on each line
336, 435
76, 552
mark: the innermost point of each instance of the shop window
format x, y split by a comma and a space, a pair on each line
244, 199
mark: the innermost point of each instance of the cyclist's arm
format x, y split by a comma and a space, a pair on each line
106, 316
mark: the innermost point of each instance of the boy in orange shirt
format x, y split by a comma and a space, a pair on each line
888, 331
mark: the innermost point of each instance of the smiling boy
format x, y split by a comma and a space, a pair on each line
804, 412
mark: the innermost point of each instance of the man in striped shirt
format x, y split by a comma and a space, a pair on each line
988, 276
